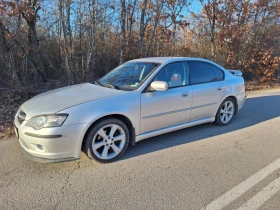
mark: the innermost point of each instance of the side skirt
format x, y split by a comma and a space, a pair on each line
173, 128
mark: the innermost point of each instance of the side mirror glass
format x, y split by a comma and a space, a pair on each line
159, 86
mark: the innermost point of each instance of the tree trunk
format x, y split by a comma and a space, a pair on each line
66, 44
69, 31
130, 29
92, 52
70, 42
123, 47
142, 28
34, 52
213, 28
3, 43
152, 40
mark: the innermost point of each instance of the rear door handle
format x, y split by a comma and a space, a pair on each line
185, 94
220, 88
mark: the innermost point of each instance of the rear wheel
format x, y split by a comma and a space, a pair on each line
225, 112
107, 140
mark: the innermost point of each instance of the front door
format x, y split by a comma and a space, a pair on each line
161, 109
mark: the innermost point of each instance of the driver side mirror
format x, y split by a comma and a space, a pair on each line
159, 86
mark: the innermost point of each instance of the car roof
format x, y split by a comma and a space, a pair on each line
167, 59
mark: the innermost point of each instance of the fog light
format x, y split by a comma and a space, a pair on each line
40, 147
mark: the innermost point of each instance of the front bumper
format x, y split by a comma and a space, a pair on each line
44, 160
54, 144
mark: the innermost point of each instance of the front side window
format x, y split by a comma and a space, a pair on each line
128, 76
201, 72
175, 74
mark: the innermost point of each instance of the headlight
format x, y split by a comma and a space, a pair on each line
45, 121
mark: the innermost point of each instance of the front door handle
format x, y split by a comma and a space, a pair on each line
185, 94
220, 88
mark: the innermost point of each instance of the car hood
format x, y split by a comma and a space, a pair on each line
62, 98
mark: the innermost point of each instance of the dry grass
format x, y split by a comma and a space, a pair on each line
10, 102
254, 86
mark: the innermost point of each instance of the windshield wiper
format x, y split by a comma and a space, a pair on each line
106, 85
98, 83
110, 86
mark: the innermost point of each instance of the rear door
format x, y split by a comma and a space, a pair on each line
208, 86
161, 109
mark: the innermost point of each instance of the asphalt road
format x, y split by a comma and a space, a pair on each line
203, 167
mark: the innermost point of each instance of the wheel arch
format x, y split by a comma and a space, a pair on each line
235, 103
121, 117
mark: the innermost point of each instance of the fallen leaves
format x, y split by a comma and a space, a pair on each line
10, 102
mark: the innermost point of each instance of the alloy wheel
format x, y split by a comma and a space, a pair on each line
108, 142
227, 112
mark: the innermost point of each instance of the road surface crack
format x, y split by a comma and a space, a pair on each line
238, 143
66, 183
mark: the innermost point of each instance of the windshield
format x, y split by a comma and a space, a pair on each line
128, 76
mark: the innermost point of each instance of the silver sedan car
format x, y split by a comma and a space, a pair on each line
137, 100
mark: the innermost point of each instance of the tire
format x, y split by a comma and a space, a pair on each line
107, 140
225, 112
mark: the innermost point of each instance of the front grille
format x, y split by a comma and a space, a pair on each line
21, 116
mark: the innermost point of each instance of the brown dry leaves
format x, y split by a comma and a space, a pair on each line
10, 102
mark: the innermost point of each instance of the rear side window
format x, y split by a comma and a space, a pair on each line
201, 72
219, 73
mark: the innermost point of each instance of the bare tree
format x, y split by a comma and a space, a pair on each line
142, 27
75, 41
158, 11
210, 9
92, 38
131, 20
123, 40
3, 43
30, 14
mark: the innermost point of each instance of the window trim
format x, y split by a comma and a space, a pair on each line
211, 70
187, 68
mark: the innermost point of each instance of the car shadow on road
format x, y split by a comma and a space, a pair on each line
255, 110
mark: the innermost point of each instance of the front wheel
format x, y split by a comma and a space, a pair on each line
225, 112
107, 140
